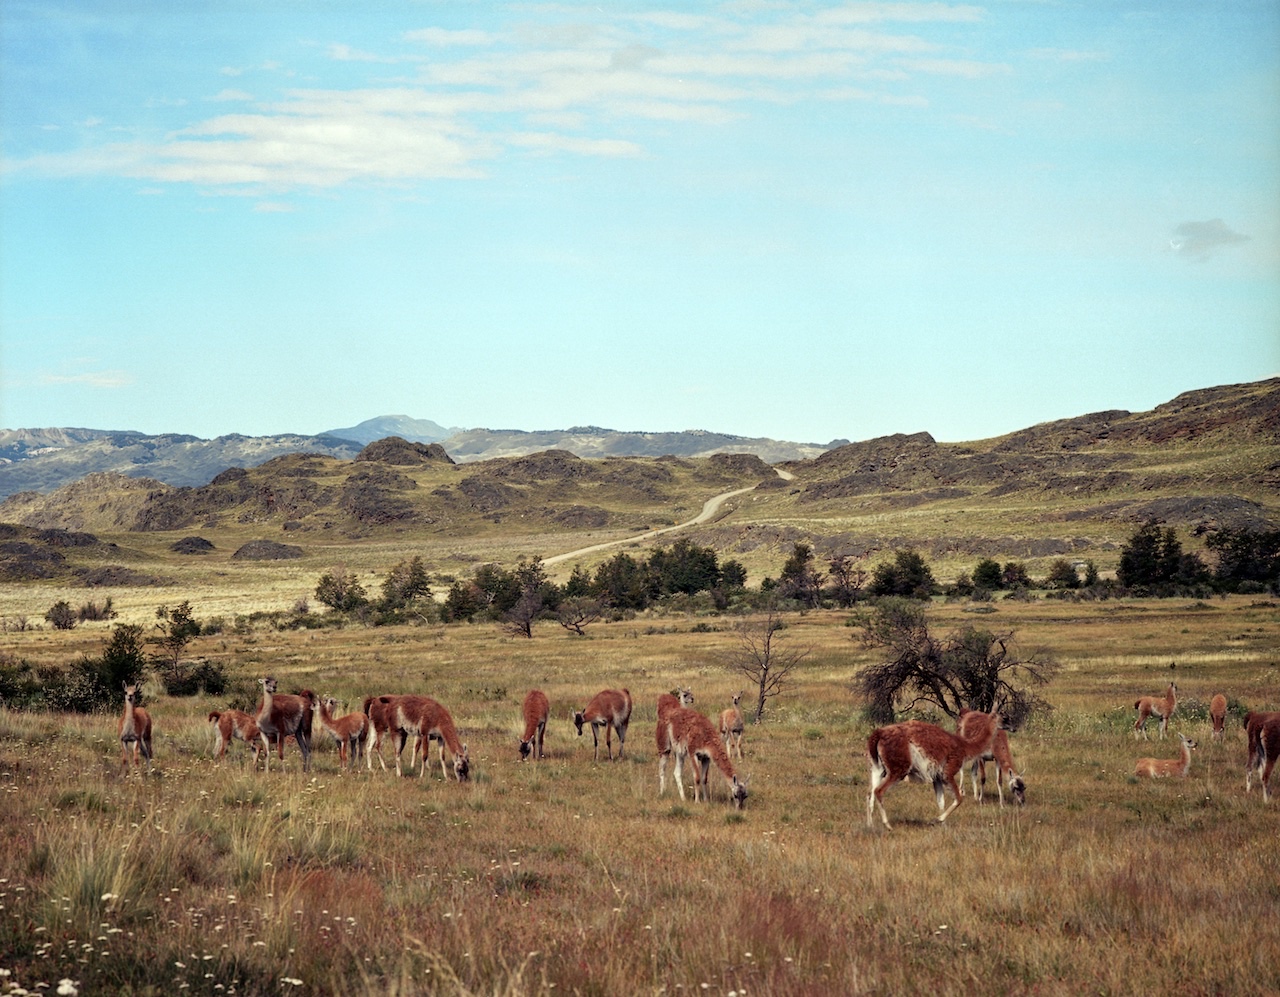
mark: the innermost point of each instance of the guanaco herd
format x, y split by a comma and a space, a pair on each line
912, 750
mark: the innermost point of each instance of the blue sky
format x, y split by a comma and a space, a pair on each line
799, 220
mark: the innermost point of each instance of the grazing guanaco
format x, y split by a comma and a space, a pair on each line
1160, 706
536, 710
349, 731
230, 725
282, 716
926, 752
695, 737
1218, 714
668, 701
427, 720
732, 724
1262, 729
135, 731
380, 713
1160, 768
1006, 774
610, 709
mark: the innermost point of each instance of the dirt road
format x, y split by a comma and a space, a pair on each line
709, 509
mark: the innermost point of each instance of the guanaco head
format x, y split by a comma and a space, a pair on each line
268, 684
1187, 742
525, 749
685, 696
1018, 787
131, 695
738, 698
462, 765
578, 720
738, 792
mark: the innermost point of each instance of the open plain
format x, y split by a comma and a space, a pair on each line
570, 876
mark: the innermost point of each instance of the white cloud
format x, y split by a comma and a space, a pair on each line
442, 38
92, 379
556, 84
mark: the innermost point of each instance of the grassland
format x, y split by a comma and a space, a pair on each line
575, 877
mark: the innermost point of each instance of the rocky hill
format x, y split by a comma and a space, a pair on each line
1074, 487
42, 460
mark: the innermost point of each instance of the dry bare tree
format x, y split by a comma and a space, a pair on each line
762, 659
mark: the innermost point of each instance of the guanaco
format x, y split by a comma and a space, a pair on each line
610, 709
693, 736
536, 710
999, 753
230, 725
135, 730
349, 731
732, 725
1263, 733
1218, 714
1160, 768
667, 702
924, 751
1161, 707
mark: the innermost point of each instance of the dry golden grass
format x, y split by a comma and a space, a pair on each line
574, 877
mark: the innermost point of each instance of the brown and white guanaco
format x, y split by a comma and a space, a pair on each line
610, 709
349, 731
1218, 714
231, 725
1006, 774
135, 731
1262, 730
1162, 768
695, 737
427, 720
536, 710
281, 716
926, 752
1159, 706
667, 702
732, 725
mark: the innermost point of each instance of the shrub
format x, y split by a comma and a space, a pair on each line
61, 615
188, 678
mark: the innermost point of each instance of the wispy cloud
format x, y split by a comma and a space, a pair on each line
1197, 240
93, 379
557, 84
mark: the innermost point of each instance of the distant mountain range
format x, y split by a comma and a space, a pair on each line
42, 460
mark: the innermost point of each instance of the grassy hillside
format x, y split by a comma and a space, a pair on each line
1074, 489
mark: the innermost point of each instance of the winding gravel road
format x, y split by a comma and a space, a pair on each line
709, 509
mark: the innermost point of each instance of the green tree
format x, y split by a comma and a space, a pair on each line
799, 580
623, 583
987, 575
404, 583
462, 603
178, 628
579, 583
340, 590
733, 575
1153, 559
1062, 575
684, 567
499, 588
1246, 555
1014, 576
907, 576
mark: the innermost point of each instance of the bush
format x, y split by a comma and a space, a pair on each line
61, 615
188, 678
